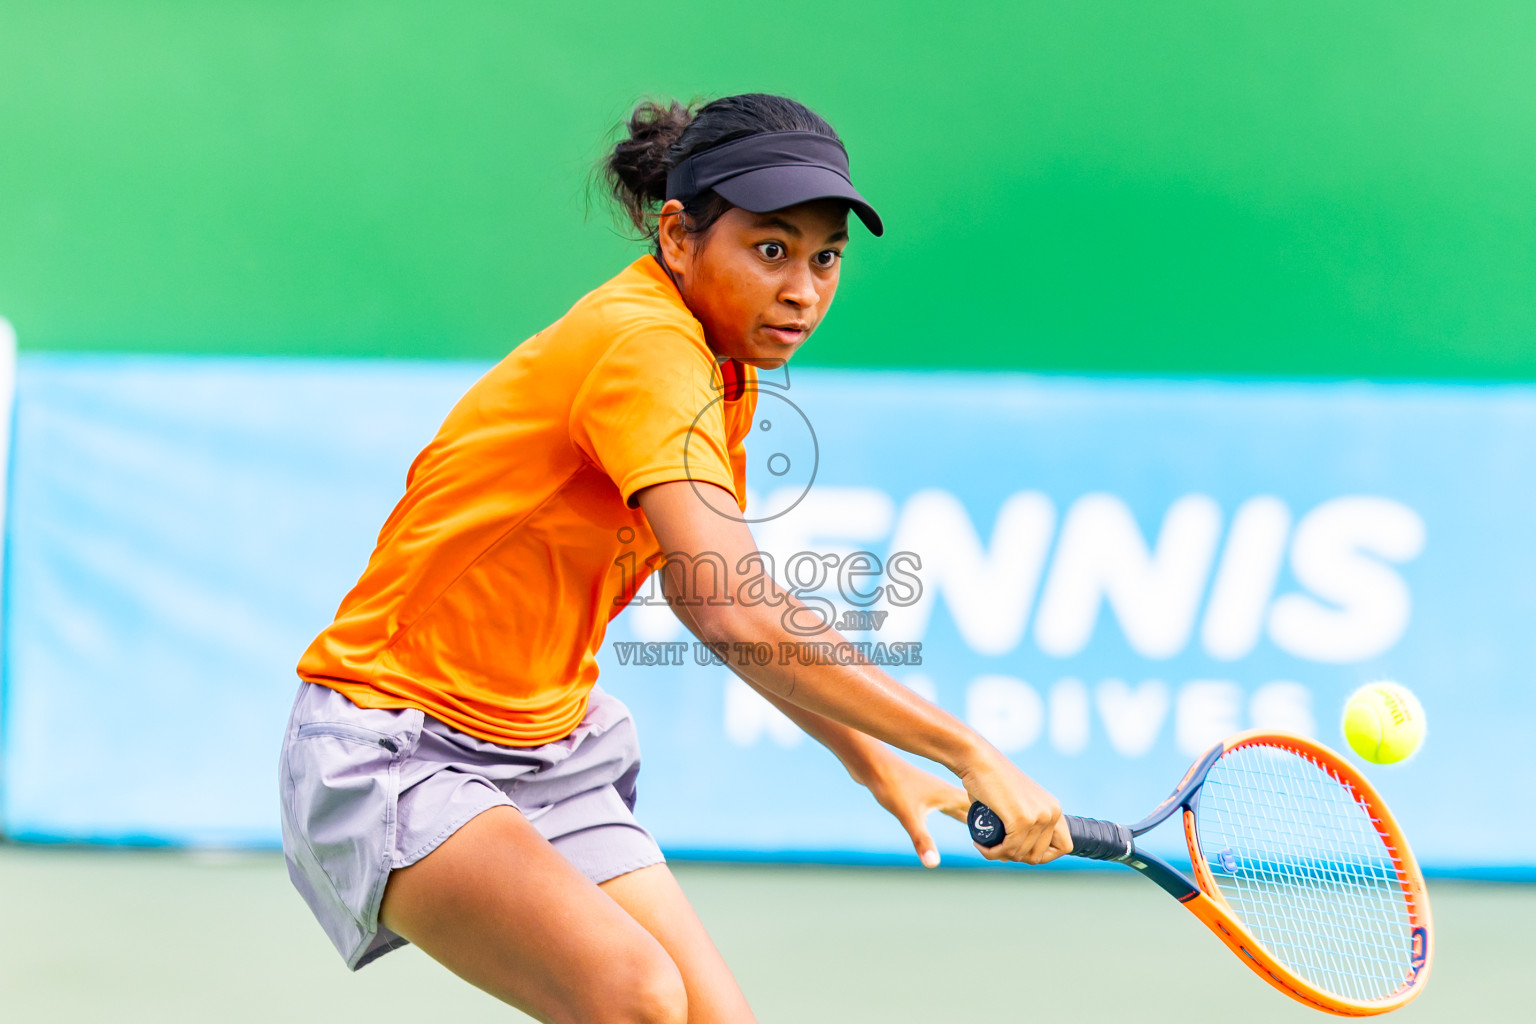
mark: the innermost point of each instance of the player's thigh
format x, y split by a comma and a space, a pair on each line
498, 906
652, 896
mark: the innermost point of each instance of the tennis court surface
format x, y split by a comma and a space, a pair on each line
96, 935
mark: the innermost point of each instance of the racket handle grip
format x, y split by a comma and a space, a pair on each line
1091, 838
1099, 840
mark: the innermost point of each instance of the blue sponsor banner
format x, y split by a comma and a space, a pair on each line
180, 529
1103, 576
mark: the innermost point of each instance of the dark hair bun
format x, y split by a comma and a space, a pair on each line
660, 135
636, 170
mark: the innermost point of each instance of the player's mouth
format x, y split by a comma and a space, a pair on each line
786, 334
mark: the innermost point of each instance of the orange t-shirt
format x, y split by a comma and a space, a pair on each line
486, 599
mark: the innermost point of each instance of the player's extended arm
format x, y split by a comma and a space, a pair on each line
902, 788
860, 697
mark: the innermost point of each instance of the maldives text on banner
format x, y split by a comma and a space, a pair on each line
1101, 575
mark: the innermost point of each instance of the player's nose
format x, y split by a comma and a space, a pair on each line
799, 289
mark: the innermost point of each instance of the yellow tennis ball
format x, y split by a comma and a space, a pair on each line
1383, 722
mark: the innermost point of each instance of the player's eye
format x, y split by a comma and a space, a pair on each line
771, 250
828, 258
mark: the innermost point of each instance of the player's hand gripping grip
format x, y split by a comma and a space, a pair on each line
1091, 838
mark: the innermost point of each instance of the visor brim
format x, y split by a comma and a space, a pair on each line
773, 188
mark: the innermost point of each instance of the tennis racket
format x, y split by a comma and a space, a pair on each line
1298, 867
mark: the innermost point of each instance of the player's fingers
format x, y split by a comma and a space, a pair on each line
956, 803
1006, 850
1059, 841
922, 842
1019, 838
991, 852
1018, 844
1061, 836
1040, 840
1031, 844
1050, 854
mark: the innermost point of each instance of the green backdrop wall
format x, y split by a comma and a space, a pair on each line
1263, 188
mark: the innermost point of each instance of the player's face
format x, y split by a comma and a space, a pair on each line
761, 282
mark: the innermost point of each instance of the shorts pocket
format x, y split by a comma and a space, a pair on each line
344, 731
343, 784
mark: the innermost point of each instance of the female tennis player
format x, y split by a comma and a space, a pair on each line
452, 775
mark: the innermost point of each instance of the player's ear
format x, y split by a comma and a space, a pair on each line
672, 234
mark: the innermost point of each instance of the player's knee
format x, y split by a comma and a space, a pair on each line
648, 990
662, 999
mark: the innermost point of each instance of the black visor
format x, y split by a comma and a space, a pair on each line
773, 170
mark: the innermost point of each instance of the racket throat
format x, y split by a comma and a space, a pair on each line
1170, 879
1109, 841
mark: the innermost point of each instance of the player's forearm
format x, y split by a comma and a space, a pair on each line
860, 697
862, 755
860, 752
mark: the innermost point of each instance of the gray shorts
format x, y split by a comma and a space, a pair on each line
365, 791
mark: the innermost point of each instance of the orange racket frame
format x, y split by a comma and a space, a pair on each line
1213, 911
1108, 841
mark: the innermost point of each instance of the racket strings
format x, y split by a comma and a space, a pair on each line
1303, 865
1337, 899
1317, 912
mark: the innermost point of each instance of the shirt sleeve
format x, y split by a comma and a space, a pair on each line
651, 412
